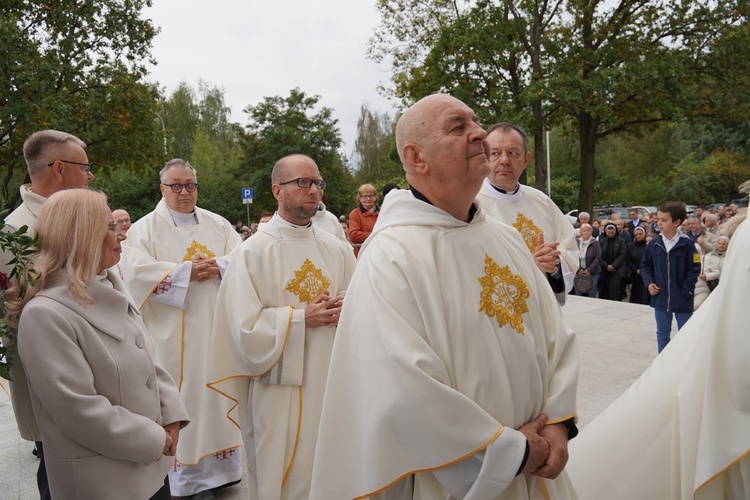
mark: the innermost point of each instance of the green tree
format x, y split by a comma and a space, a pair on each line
181, 117
375, 152
280, 126
606, 68
77, 67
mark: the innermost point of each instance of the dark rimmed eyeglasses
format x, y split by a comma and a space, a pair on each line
306, 183
87, 165
177, 188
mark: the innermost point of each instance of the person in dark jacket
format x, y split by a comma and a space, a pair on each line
590, 257
613, 262
670, 268
638, 293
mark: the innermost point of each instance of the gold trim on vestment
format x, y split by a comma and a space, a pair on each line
308, 282
528, 230
721, 472
503, 295
197, 250
296, 439
453, 462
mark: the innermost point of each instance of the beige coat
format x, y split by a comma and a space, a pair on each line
99, 396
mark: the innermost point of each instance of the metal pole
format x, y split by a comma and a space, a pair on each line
549, 175
164, 132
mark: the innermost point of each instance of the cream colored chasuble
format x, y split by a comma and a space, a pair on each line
450, 339
263, 357
682, 430
153, 250
530, 212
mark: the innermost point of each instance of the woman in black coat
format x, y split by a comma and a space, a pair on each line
613, 263
638, 293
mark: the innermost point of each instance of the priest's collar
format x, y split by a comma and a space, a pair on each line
503, 191
182, 219
289, 224
421, 197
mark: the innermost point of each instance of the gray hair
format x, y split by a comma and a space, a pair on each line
723, 238
176, 162
510, 127
41, 146
581, 214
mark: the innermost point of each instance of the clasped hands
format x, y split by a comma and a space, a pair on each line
546, 256
170, 441
324, 310
548, 447
204, 269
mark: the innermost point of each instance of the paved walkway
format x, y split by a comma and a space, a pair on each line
617, 341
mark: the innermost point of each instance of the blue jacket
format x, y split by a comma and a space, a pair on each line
675, 273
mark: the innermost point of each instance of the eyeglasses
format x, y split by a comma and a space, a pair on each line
177, 188
87, 165
368, 196
306, 183
112, 226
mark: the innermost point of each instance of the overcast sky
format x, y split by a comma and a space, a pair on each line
255, 49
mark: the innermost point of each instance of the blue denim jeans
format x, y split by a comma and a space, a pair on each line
664, 325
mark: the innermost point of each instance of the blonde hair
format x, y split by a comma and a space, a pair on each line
366, 188
71, 227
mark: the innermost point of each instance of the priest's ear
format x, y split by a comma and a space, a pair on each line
276, 190
414, 159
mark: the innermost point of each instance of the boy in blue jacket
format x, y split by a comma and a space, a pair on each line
670, 268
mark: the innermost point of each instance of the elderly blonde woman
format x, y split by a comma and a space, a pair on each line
711, 266
362, 219
108, 413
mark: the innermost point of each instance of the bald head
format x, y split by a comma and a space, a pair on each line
441, 146
281, 169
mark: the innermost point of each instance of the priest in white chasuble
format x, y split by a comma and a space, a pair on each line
452, 374
173, 262
682, 430
277, 312
534, 215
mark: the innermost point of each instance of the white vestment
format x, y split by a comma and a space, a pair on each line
153, 253
24, 215
450, 339
329, 222
681, 431
530, 211
265, 361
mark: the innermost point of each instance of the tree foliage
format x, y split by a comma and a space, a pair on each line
375, 152
77, 67
279, 126
597, 68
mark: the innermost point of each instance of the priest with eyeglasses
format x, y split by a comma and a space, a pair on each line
173, 263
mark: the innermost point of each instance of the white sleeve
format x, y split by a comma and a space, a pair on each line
173, 289
488, 473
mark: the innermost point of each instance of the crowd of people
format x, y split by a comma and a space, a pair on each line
611, 252
414, 349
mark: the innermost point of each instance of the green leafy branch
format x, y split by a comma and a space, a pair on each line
19, 246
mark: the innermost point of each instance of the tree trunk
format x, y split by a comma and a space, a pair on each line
587, 139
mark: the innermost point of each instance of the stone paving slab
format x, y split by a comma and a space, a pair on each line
617, 342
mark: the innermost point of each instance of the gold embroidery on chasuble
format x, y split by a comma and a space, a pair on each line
196, 249
503, 295
529, 231
308, 282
